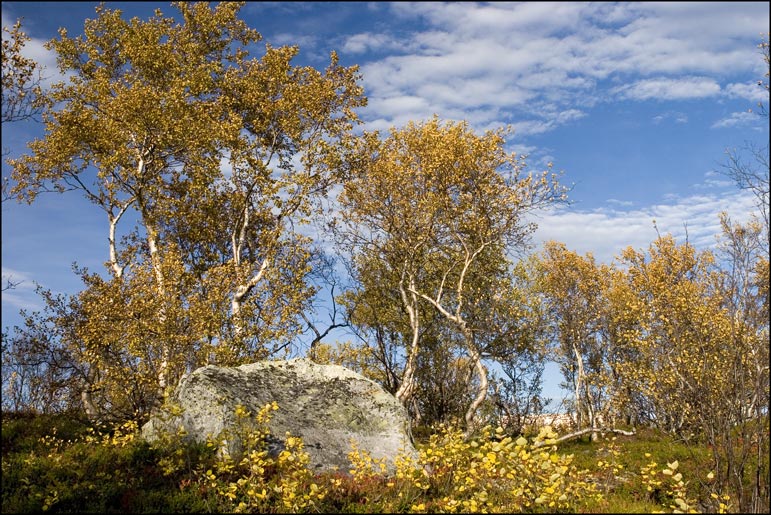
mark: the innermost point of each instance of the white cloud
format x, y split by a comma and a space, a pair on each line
532, 59
369, 42
675, 116
748, 90
22, 294
708, 24
549, 122
19, 299
715, 179
743, 118
16, 276
569, 115
287, 38
606, 232
622, 203
669, 89
475, 19
395, 106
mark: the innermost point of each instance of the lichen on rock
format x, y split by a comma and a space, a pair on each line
328, 406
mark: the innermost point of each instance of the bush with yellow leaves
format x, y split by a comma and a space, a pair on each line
256, 481
666, 487
492, 473
484, 475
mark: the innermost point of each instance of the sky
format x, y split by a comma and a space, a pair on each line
633, 103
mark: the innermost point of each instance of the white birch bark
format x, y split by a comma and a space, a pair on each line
240, 295
156, 262
407, 387
481, 370
116, 267
461, 323
92, 412
86, 398
155, 259
245, 287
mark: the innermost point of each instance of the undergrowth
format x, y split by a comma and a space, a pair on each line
62, 464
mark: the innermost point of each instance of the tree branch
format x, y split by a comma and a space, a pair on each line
576, 434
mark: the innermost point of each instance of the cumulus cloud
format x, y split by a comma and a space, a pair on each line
748, 90
369, 42
607, 231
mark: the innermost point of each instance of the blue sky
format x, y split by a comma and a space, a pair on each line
635, 103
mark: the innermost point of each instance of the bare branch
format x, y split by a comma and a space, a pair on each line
576, 434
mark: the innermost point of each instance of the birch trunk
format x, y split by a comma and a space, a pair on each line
244, 288
85, 395
581, 432
577, 386
481, 370
457, 319
116, 267
239, 297
582, 401
474, 354
407, 387
145, 157
160, 286
155, 259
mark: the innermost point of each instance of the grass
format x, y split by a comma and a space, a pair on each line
61, 464
625, 491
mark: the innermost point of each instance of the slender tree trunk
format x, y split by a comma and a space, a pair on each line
85, 395
143, 159
481, 370
239, 297
407, 387
155, 259
245, 286
160, 286
590, 412
92, 412
581, 399
581, 432
116, 267
468, 335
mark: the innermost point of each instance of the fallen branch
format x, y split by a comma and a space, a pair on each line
582, 432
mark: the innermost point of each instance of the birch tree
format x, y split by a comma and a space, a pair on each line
739, 439
296, 123
139, 115
205, 161
573, 291
680, 333
438, 204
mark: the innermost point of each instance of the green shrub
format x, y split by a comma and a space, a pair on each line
52, 463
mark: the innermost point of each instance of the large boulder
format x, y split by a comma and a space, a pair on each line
329, 406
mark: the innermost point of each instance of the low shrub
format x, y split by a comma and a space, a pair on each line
60, 465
